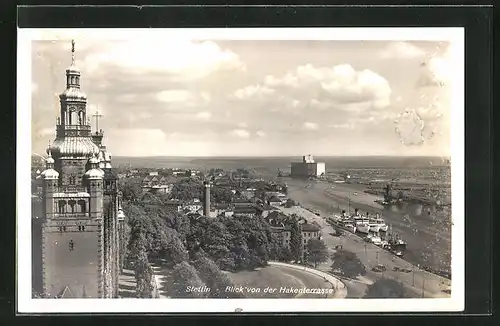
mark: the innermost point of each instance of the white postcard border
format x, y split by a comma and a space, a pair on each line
25, 302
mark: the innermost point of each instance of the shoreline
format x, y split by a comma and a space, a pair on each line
429, 243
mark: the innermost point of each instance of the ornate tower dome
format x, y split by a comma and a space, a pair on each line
49, 172
95, 172
73, 138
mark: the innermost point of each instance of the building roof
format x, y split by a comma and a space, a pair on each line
245, 210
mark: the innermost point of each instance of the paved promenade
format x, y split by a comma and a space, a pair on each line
337, 285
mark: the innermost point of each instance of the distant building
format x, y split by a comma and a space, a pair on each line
310, 231
156, 184
307, 168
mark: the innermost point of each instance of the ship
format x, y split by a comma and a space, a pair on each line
396, 245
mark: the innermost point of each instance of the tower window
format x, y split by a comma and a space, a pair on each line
62, 206
72, 204
83, 206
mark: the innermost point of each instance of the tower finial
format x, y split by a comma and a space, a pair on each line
49, 152
73, 51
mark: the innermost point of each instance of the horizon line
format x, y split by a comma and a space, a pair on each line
276, 156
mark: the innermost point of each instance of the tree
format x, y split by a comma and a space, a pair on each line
289, 203
143, 276
316, 251
296, 241
386, 288
214, 278
347, 264
185, 278
131, 191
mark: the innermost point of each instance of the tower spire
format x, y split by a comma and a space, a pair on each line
72, 52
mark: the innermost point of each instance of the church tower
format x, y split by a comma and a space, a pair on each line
79, 228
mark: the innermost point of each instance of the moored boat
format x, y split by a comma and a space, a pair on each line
363, 226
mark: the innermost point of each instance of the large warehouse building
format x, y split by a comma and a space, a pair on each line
307, 168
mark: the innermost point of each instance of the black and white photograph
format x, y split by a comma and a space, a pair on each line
257, 167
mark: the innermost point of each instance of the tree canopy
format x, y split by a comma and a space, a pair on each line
347, 264
317, 252
296, 246
185, 277
386, 288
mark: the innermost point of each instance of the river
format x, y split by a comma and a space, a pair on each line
427, 232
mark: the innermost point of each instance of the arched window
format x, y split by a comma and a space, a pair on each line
62, 206
83, 206
72, 205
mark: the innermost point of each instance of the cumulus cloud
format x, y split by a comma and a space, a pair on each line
340, 86
184, 58
241, 133
242, 125
310, 125
401, 50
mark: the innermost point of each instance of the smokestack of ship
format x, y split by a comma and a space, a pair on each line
206, 206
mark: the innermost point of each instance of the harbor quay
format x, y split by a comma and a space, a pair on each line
419, 282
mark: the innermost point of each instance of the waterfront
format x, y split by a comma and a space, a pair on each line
429, 240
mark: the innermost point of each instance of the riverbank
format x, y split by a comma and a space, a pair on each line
428, 236
418, 282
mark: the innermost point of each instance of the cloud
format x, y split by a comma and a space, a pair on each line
181, 57
310, 125
242, 125
241, 133
260, 133
340, 87
204, 115
401, 50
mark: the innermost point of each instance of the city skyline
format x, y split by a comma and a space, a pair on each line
224, 98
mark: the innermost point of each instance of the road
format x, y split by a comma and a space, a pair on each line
276, 277
420, 283
307, 280
428, 236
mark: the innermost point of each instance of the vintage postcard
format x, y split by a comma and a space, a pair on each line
250, 170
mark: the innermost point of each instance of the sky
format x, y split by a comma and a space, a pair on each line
183, 97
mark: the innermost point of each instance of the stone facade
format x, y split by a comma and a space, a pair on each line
79, 230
